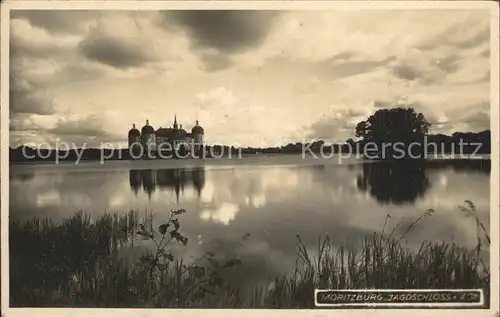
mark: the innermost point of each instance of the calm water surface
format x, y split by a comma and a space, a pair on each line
272, 199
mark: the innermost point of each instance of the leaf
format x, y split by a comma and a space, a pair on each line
179, 211
470, 203
169, 256
163, 228
184, 240
175, 235
176, 224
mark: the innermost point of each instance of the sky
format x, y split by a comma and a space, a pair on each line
251, 78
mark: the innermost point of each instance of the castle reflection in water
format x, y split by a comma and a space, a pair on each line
394, 183
167, 179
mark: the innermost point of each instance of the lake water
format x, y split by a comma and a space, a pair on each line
273, 198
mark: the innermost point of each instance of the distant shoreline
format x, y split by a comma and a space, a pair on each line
463, 144
264, 160
244, 155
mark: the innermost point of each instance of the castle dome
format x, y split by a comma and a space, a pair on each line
197, 129
134, 132
147, 129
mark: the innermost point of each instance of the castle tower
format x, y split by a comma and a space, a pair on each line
198, 134
175, 122
148, 140
134, 142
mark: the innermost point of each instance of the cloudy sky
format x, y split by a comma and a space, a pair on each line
251, 78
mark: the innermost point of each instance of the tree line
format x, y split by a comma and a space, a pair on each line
399, 124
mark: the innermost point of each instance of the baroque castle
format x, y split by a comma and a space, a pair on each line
148, 141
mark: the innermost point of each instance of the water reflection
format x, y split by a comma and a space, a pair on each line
170, 179
394, 182
478, 166
273, 203
22, 177
403, 182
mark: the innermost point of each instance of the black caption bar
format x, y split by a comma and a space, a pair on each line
413, 298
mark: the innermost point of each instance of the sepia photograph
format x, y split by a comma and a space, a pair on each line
250, 156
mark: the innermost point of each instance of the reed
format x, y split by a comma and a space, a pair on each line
77, 263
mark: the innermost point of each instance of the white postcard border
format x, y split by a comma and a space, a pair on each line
492, 6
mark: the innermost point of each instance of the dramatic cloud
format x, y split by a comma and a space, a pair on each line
406, 72
382, 104
466, 34
118, 41
449, 64
30, 68
27, 97
252, 78
56, 21
223, 31
27, 40
27, 123
478, 121
216, 61
90, 126
112, 51
338, 126
474, 118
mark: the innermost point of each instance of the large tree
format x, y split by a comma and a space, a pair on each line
393, 125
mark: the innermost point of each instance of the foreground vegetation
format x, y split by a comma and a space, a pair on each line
77, 262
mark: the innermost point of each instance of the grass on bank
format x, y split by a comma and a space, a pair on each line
77, 262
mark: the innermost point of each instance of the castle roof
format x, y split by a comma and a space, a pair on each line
165, 132
172, 133
181, 133
134, 132
147, 129
197, 129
